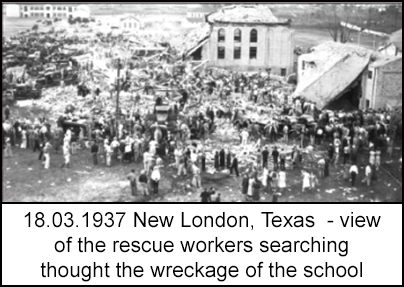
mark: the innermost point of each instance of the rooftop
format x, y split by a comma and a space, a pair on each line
245, 14
383, 60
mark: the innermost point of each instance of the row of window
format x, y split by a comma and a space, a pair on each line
129, 25
43, 14
37, 8
221, 53
221, 36
48, 8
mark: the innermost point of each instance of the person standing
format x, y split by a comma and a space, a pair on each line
155, 179
313, 181
206, 196
177, 156
282, 157
146, 161
94, 152
275, 156
203, 161
7, 112
244, 184
354, 173
181, 168
115, 147
228, 160
368, 173
196, 181
222, 159
41, 148
108, 154
372, 157
216, 161
337, 145
265, 156
23, 139
234, 166
347, 153
143, 183
282, 180
256, 189
321, 167
244, 138
37, 145
7, 151
132, 182
378, 159
390, 147
306, 180
46, 152
57, 138
66, 155
331, 152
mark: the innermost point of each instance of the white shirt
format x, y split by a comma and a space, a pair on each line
354, 169
244, 135
155, 175
368, 170
194, 157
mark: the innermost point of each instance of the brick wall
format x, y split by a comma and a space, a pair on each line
274, 48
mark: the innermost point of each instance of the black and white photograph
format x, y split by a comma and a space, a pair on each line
210, 102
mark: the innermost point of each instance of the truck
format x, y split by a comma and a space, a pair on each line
20, 92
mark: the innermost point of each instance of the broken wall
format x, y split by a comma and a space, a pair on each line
389, 88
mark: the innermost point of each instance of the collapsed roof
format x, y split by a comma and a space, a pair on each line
245, 14
340, 63
195, 39
383, 60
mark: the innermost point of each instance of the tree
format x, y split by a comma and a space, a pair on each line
336, 14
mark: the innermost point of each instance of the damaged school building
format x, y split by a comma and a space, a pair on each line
245, 38
344, 76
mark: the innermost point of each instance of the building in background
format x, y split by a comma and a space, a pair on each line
384, 86
30, 10
11, 10
130, 23
244, 38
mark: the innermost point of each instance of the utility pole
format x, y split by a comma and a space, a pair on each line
117, 97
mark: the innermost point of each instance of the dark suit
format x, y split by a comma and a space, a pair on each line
234, 167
